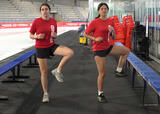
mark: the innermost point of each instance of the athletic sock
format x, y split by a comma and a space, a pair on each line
45, 93
100, 92
119, 69
58, 71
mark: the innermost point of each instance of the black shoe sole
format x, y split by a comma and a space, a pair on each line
102, 101
123, 75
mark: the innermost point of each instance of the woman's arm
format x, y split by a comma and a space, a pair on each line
34, 36
98, 39
113, 35
111, 29
54, 35
89, 36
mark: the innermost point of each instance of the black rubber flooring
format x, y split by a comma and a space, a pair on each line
78, 94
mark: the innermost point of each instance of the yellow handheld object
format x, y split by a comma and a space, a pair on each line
82, 40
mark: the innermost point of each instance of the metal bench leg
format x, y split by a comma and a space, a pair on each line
3, 97
35, 59
30, 60
133, 77
30, 64
13, 78
126, 65
158, 99
144, 91
148, 104
13, 73
18, 73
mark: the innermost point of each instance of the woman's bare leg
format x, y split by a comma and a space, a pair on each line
44, 72
101, 66
123, 52
66, 52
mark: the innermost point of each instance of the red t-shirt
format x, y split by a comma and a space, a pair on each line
42, 26
99, 28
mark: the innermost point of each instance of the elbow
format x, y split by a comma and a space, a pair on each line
31, 36
85, 35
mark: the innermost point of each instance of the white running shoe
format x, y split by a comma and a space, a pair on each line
59, 76
45, 98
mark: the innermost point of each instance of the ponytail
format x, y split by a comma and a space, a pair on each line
97, 16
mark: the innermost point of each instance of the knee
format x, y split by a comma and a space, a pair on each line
70, 53
102, 75
44, 73
127, 51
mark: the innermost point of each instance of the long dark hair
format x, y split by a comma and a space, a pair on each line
45, 4
99, 6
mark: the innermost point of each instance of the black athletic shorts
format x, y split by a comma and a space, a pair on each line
46, 52
103, 53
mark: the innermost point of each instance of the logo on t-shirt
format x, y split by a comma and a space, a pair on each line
52, 31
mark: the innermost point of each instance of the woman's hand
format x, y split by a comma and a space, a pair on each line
53, 34
113, 34
98, 39
110, 28
40, 36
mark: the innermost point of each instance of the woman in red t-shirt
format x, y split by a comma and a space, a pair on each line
44, 31
98, 31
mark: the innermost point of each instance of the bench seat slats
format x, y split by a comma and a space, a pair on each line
146, 72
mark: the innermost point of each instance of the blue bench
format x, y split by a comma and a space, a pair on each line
16, 62
11, 67
149, 76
